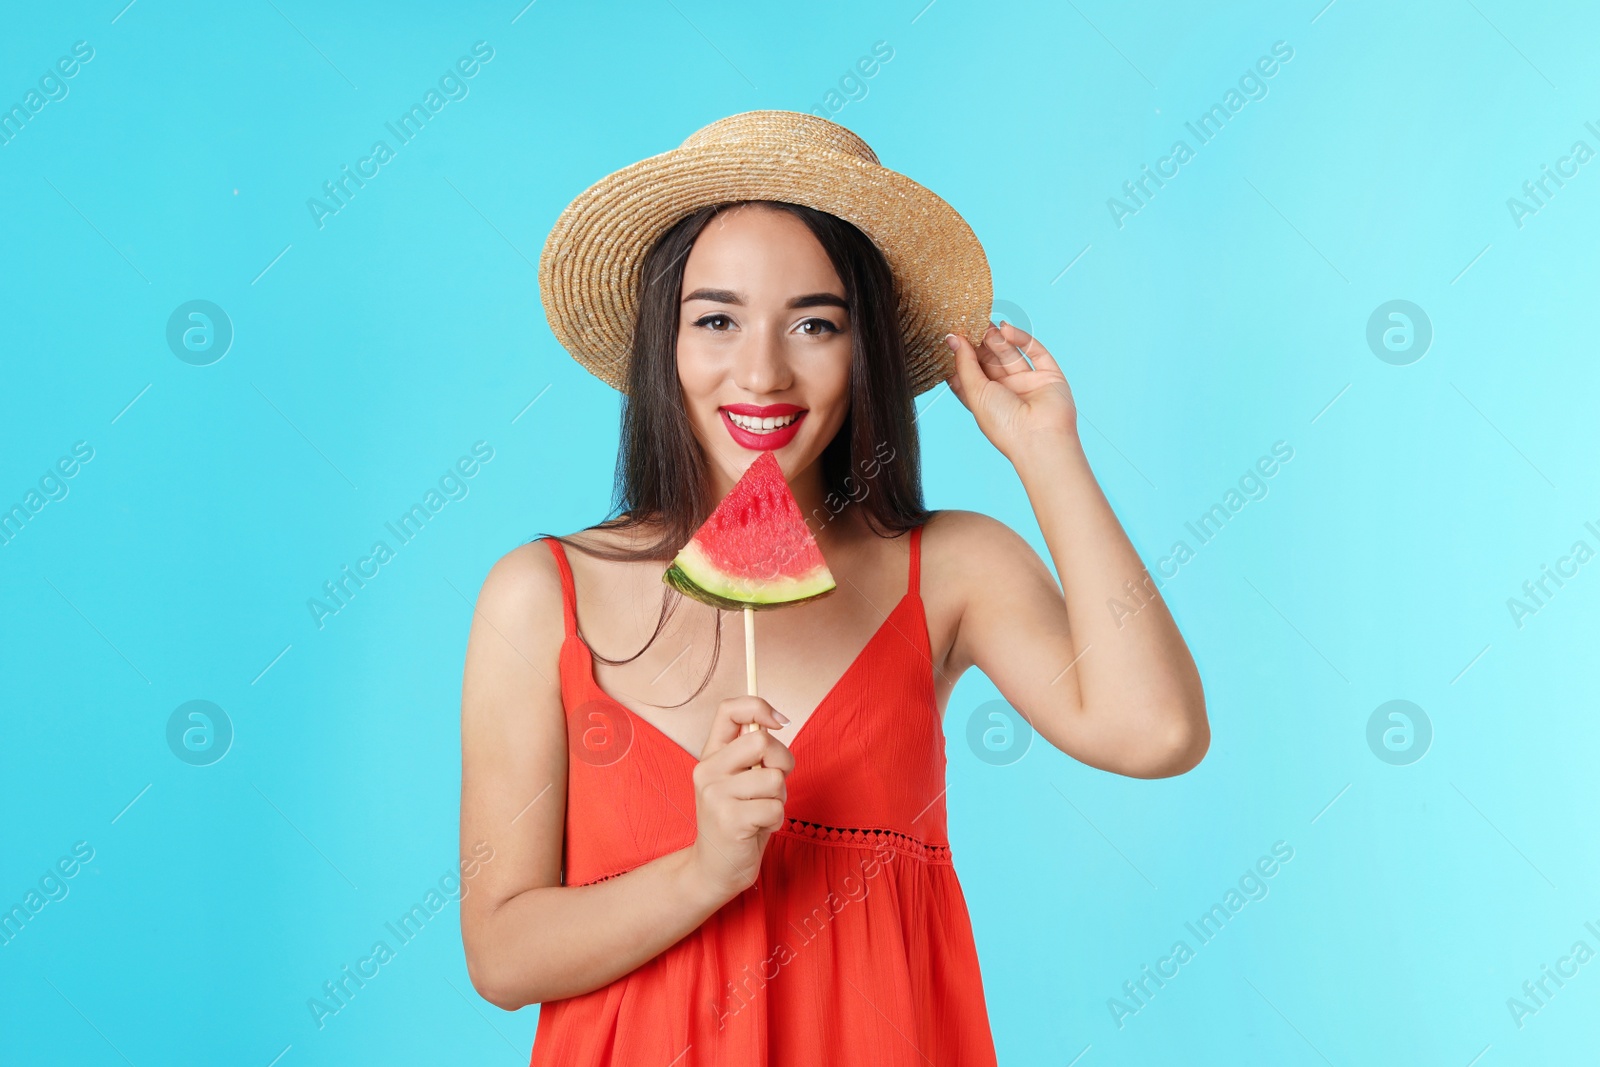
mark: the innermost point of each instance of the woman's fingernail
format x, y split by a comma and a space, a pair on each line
780, 716
950, 339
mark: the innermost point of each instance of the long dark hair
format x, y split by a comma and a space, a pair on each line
873, 462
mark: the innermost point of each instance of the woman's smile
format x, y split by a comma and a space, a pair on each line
762, 426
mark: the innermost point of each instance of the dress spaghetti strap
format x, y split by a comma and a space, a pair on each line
569, 595
914, 583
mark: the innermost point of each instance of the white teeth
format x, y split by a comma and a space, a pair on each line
766, 425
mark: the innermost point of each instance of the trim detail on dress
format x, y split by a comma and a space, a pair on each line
869, 838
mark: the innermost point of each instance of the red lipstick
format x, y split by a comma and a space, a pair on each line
767, 440
761, 411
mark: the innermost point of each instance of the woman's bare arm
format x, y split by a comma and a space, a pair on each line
1117, 690
528, 938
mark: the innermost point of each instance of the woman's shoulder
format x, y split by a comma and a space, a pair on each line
532, 567
971, 549
524, 583
952, 526
518, 622
530, 571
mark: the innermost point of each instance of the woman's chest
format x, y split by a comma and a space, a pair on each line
871, 757
804, 662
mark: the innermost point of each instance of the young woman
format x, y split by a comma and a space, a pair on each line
671, 888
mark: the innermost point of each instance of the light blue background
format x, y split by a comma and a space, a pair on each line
369, 354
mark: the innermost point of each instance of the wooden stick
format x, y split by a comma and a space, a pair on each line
750, 665
750, 659
750, 648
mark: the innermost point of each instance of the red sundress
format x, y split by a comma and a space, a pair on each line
854, 945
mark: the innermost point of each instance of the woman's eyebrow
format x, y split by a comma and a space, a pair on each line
816, 300
728, 296
719, 296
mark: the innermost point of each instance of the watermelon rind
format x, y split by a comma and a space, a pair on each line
694, 575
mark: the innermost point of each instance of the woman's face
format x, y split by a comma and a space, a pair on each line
763, 340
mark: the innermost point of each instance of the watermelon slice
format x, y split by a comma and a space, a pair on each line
755, 550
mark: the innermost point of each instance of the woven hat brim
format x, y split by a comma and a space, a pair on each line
590, 267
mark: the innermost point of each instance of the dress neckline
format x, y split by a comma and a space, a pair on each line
805, 727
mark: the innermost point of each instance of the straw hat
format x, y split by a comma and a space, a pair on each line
589, 269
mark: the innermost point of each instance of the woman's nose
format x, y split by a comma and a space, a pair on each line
762, 366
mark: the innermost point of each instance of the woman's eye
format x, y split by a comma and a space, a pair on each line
713, 322
818, 327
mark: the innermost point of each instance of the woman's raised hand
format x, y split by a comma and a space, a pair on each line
739, 793
1012, 402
